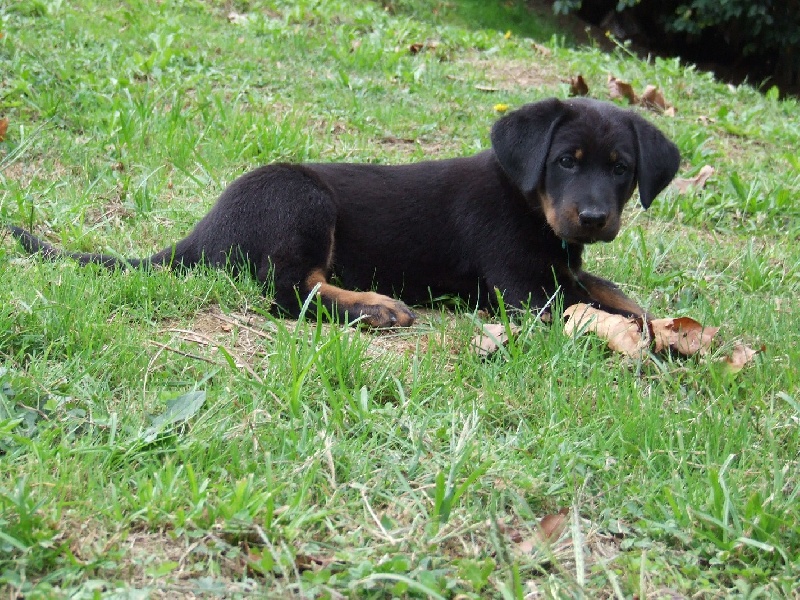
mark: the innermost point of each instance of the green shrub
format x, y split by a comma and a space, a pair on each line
765, 34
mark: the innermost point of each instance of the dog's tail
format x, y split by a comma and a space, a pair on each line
35, 245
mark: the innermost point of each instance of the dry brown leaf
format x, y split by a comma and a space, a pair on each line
3, 129
552, 526
307, 562
626, 335
622, 333
492, 336
620, 89
578, 86
683, 335
548, 531
698, 181
527, 546
418, 47
741, 356
653, 99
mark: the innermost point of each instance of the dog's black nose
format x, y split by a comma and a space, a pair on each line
592, 219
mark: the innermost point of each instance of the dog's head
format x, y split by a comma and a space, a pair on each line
580, 160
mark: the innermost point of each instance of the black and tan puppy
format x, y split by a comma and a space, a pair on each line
515, 218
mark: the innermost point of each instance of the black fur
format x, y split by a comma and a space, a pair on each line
514, 218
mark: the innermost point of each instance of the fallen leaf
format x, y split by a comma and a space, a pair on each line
578, 86
623, 334
698, 181
308, 562
507, 35
683, 335
741, 356
653, 99
618, 89
547, 531
492, 336
3, 129
627, 335
552, 526
416, 48
527, 546
486, 88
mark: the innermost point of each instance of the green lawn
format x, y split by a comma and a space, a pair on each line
163, 435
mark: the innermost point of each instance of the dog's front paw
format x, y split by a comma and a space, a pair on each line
379, 311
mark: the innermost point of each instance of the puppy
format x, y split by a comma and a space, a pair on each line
514, 218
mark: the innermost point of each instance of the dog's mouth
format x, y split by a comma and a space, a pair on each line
595, 238
582, 240
587, 237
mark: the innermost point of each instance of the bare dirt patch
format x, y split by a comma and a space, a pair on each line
164, 564
24, 172
514, 74
213, 335
248, 337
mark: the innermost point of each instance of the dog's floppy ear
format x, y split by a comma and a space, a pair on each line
658, 159
521, 141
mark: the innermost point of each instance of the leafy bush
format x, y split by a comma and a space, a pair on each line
762, 35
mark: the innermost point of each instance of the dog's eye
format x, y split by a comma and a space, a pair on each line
620, 168
568, 162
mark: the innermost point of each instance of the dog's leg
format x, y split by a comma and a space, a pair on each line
376, 310
608, 295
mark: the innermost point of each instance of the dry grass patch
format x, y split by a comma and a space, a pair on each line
512, 75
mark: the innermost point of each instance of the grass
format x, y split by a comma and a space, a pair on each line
162, 434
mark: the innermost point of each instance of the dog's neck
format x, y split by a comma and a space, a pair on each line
574, 254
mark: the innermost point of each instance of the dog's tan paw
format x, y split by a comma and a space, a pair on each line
369, 308
380, 311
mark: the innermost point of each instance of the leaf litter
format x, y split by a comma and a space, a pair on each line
652, 98
633, 337
492, 337
696, 182
563, 541
636, 336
